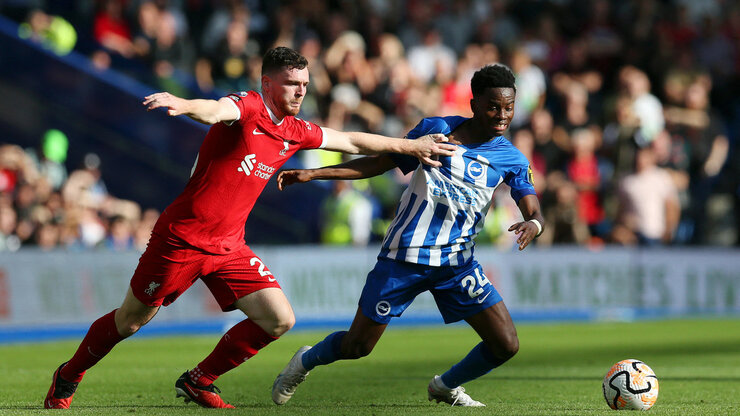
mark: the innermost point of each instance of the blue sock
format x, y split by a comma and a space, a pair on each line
477, 363
325, 352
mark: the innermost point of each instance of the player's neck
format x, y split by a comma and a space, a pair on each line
276, 115
469, 132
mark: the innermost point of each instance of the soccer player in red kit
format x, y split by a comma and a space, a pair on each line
201, 234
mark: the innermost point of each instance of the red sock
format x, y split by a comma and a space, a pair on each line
240, 343
100, 339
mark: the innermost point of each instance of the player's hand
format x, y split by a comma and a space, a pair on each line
428, 147
526, 230
291, 176
175, 105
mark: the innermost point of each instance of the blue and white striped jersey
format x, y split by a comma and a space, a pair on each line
443, 209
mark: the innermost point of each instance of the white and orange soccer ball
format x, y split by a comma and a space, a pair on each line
630, 385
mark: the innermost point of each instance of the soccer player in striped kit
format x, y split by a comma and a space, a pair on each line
201, 234
429, 244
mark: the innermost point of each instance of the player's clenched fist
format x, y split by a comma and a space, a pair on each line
175, 105
291, 176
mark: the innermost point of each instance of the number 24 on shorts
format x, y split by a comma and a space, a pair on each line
469, 283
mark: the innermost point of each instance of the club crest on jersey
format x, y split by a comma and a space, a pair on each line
476, 169
152, 287
285, 148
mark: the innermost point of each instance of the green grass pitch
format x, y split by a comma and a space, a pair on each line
558, 371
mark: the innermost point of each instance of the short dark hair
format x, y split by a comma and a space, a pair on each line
492, 76
281, 57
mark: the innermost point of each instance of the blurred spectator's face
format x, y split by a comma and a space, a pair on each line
645, 159
7, 220
48, 236
286, 89
236, 35
696, 97
494, 109
542, 123
524, 141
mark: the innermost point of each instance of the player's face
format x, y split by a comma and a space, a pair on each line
494, 109
286, 89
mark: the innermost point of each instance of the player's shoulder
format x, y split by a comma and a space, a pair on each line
431, 125
245, 97
504, 149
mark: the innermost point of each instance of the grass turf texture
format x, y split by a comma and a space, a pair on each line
558, 371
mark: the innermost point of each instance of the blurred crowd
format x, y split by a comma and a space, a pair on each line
627, 111
43, 205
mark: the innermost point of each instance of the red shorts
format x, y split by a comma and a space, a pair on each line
169, 266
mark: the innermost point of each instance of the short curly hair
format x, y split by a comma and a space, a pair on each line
492, 76
281, 57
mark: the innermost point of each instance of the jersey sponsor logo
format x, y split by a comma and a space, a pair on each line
257, 132
235, 98
285, 148
152, 287
247, 164
475, 169
461, 194
383, 308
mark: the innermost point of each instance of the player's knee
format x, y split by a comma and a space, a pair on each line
509, 347
282, 325
357, 349
128, 325
126, 329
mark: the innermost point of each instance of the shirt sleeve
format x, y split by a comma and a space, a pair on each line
312, 135
239, 99
409, 163
520, 180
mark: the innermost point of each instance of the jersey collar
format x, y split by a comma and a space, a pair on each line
272, 116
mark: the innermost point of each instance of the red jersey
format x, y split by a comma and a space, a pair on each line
233, 166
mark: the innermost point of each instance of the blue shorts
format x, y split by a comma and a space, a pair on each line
459, 291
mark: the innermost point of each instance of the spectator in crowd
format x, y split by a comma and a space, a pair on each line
649, 209
346, 216
53, 32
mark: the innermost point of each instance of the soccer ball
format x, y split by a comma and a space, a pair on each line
630, 384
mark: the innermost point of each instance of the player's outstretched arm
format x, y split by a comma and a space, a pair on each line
202, 111
528, 230
365, 167
424, 148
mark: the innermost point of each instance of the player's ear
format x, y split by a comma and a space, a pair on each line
266, 82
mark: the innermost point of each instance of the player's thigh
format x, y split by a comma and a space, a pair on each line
268, 308
167, 269
391, 287
496, 328
265, 304
239, 275
133, 314
463, 291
